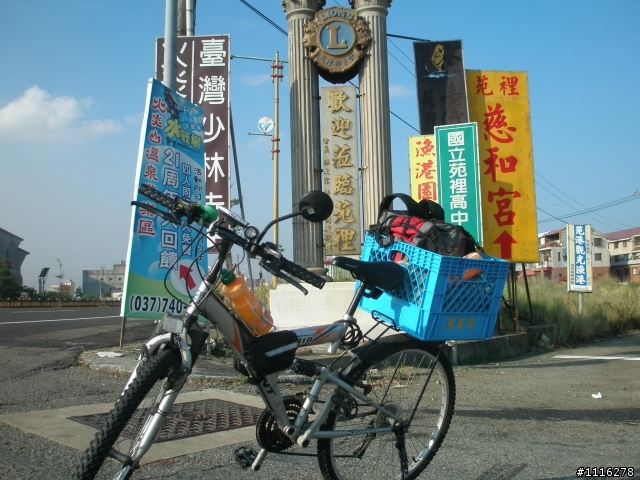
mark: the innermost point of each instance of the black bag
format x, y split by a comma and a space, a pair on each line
421, 224
272, 352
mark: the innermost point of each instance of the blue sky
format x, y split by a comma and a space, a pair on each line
72, 91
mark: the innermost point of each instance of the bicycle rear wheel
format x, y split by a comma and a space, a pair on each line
396, 370
127, 421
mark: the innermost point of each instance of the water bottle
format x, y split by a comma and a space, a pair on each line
245, 303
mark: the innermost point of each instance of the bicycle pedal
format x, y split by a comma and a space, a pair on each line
245, 456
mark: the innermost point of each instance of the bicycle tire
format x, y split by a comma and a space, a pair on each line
126, 416
395, 369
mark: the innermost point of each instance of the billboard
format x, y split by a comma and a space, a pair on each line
341, 178
458, 176
442, 96
499, 104
422, 167
203, 78
579, 272
165, 260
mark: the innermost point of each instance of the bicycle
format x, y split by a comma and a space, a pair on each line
392, 402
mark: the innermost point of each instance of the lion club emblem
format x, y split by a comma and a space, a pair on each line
336, 39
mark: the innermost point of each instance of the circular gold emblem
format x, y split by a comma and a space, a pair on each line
336, 39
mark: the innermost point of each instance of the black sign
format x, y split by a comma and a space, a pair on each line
442, 94
202, 76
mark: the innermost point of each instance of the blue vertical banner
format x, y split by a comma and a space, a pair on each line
165, 260
579, 274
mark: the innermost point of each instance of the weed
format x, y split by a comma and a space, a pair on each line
610, 309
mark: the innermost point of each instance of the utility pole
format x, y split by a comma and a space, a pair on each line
276, 76
170, 40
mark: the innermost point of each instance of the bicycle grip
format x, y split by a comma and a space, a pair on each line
158, 197
303, 274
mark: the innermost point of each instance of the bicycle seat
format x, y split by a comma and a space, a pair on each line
386, 275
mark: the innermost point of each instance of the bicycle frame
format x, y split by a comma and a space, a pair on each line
207, 304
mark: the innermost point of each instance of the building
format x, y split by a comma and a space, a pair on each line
66, 289
103, 283
10, 250
552, 263
624, 250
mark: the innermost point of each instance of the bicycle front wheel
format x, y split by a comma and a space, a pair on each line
395, 371
106, 457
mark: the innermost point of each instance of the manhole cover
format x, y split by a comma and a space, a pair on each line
191, 419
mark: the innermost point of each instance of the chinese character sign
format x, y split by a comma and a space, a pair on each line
579, 273
171, 160
499, 104
423, 166
458, 177
203, 78
340, 174
440, 84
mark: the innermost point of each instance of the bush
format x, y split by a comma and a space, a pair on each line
611, 308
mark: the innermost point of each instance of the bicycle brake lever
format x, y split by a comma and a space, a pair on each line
283, 276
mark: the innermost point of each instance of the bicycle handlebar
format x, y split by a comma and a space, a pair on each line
302, 273
272, 260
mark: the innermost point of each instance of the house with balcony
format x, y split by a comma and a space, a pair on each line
624, 250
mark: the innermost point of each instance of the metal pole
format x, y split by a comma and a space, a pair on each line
516, 320
170, 40
181, 18
526, 287
235, 163
276, 75
191, 18
122, 326
580, 302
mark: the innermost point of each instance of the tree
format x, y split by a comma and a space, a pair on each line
30, 292
78, 292
9, 288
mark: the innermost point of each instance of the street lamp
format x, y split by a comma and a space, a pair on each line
59, 277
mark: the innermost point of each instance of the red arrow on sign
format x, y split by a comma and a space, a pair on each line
185, 272
505, 240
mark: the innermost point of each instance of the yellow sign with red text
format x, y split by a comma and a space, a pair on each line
499, 103
422, 165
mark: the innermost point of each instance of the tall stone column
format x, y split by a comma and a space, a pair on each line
375, 123
306, 167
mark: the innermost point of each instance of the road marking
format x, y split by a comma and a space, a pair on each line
599, 357
60, 320
43, 311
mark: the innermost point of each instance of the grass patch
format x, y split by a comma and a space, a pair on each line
611, 309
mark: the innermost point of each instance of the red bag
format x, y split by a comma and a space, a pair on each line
421, 225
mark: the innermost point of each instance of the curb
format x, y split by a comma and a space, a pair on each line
459, 352
495, 348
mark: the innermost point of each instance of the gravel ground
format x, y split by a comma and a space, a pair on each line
527, 418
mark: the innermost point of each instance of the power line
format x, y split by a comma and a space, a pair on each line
593, 209
267, 19
551, 215
403, 121
602, 219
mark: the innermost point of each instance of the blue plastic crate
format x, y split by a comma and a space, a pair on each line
435, 302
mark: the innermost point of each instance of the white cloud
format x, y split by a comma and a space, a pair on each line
38, 115
397, 90
255, 79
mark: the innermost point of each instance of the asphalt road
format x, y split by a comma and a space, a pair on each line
42, 339
533, 417
18, 323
